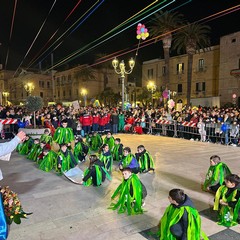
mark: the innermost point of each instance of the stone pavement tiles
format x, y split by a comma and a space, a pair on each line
66, 211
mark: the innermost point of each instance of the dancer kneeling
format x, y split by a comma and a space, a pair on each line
131, 194
180, 220
96, 173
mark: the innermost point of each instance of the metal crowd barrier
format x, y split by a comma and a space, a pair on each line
188, 130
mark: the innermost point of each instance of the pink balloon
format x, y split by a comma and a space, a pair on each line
138, 32
145, 30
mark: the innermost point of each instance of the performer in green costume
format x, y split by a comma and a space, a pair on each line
129, 161
145, 159
46, 137
180, 220
33, 151
64, 135
227, 201
106, 157
80, 150
96, 173
49, 160
26, 145
216, 174
117, 150
109, 140
96, 142
131, 194
65, 159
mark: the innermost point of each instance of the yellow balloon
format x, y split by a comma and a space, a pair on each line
138, 36
146, 35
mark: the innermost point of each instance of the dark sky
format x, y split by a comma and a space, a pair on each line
30, 15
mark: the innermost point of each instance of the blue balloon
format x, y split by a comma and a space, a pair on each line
21, 124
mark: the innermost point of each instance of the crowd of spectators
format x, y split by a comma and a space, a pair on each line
200, 123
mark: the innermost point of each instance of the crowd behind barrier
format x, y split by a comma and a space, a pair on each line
217, 125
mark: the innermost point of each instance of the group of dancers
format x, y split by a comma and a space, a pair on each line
181, 220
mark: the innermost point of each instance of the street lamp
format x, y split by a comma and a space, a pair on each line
122, 71
29, 87
6, 94
84, 94
151, 87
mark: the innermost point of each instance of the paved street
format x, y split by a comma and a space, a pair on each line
66, 211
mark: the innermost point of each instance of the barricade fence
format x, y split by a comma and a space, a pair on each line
210, 132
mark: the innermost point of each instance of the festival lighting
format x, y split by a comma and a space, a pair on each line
122, 71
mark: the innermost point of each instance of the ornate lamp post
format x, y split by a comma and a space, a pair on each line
151, 87
29, 87
6, 94
122, 71
84, 94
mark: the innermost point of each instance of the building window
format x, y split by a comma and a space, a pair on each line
200, 65
233, 40
179, 88
150, 73
70, 92
200, 87
41, 94
164, 70
48, 84
180, 68
58, 81
58, 93
76, 91
63, 93
69, 78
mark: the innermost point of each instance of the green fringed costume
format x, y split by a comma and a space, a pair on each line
48, 161
146, 161
130, 196
117, 152
46, 138
172, 216
126, 160
26, 147
215, 176
33, 152
228, 215
80, 151
96, 142
109, 142
63, 135
107, 160
66, 160
38, 152
95, 175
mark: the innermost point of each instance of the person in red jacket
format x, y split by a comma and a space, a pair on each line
86, 121
95, 121
102, 122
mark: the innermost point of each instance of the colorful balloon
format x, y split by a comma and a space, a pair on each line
142, 32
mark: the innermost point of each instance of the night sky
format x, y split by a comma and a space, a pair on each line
36, 32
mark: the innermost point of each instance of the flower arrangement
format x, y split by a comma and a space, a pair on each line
12, 206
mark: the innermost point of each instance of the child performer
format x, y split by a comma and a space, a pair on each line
63, 135
46, 137
227, 201
96, 173
33, 154
129, 161
49, 160
106, 157
117, 150
65, 159
131, 194
96, 141
81, 149
180, 220
109, 140
145, 159
25, 147
216, 174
